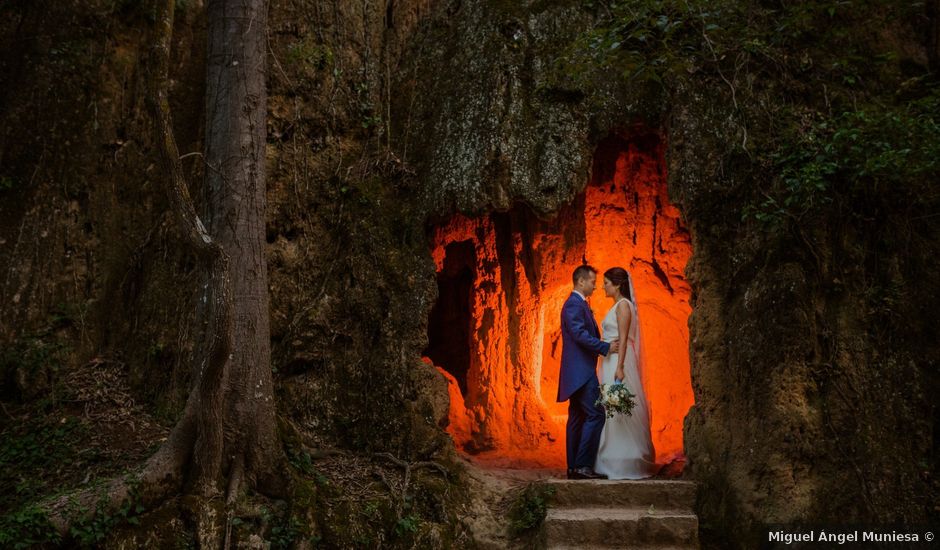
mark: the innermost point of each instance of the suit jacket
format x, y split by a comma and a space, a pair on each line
580, 346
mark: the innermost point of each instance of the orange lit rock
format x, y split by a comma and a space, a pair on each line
504, 278
458, 419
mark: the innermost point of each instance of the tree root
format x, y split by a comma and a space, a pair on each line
408, 466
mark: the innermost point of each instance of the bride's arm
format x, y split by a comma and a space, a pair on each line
624, 319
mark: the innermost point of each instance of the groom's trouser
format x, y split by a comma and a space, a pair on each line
585, 422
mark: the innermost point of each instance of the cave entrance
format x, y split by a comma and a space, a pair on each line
450, 322
502, 278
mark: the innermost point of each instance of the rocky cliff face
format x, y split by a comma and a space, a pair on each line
810, 353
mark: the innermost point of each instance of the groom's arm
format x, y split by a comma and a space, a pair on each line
573, 316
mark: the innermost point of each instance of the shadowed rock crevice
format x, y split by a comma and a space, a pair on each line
449, 323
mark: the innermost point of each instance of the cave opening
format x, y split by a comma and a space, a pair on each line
495, 332
449, 323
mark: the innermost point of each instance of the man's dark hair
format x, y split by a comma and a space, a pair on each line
581, 272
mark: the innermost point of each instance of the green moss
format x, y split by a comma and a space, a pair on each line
32, 448
310, 55
861, 157
527, 511
28, 527
88, 531
30, 365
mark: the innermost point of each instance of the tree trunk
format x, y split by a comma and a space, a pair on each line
236, 107
227, 433
229, 424
933, 35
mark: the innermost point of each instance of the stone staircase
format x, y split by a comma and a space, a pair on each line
643, 514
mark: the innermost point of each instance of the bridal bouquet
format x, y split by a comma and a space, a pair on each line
616, 398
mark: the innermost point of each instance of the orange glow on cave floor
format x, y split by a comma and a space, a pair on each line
495, 331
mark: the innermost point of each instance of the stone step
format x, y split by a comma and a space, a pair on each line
619, 527
666, 494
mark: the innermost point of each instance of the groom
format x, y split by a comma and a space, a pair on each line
580, 346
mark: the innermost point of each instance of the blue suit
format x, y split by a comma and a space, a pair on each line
577, 382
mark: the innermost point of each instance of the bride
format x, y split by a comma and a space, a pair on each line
626, 448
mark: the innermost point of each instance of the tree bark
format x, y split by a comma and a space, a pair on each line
232, 405
236, 107
932, 8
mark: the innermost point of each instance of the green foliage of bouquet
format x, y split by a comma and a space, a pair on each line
616, 398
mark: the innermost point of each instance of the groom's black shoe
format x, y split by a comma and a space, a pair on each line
585, 473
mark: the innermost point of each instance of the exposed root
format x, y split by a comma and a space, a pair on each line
408, 466
406, 479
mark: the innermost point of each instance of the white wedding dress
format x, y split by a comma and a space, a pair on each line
626, 448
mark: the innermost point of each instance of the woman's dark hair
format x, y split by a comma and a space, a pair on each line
621, 279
